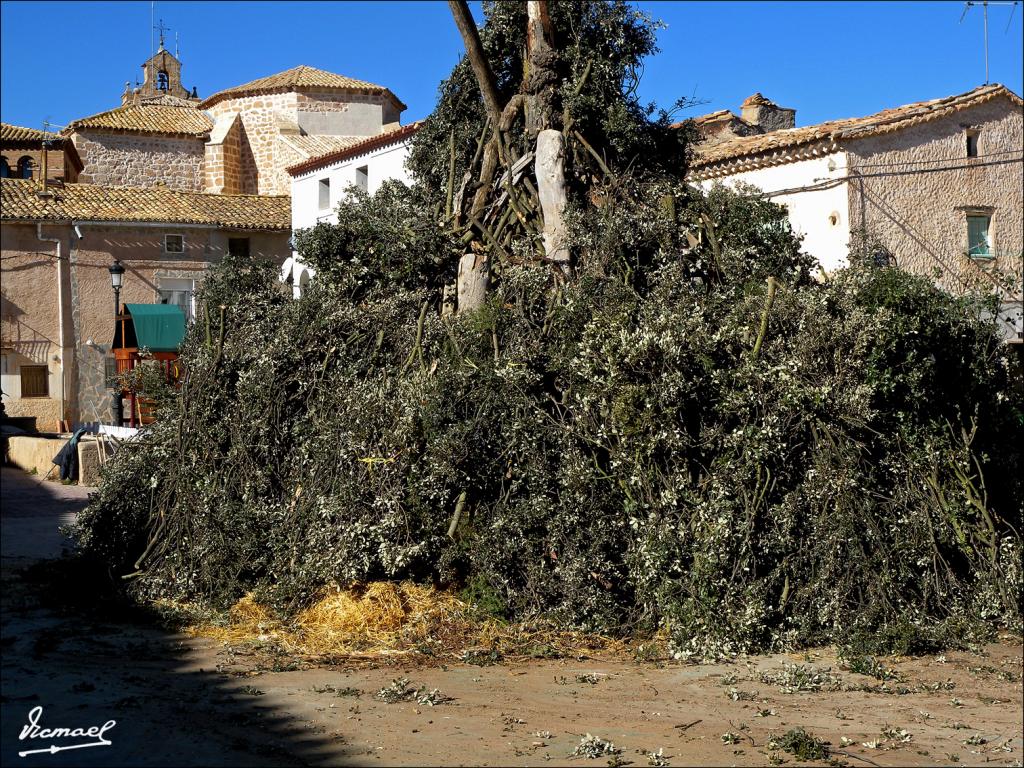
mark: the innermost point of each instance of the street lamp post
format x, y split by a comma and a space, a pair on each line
116, 279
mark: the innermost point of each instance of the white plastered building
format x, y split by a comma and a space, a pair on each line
935, 187
320, 183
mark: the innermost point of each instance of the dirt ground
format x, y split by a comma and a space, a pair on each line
179, 700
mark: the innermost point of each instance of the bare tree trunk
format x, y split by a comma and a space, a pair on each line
474, 277
541, 114
541, 74
550, 170
487, 170
474, 268
475, 52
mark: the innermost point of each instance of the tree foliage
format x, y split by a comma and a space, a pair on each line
654, 442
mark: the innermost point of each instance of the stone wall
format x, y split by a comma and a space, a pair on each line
262, 158
30, 306
228, 166
140, 160
911, 190
345, 114
257, 118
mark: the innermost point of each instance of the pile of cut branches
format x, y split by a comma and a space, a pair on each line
674, 428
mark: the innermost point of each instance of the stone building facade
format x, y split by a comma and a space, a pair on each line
249, 148
237, 141
912, 192
156, 137
937, 187
56, 300
141, 159
24, 152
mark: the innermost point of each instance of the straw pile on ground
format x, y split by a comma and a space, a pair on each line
387, 617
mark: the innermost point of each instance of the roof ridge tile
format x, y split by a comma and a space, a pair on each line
882, 121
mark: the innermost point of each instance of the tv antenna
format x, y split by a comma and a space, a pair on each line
984, 7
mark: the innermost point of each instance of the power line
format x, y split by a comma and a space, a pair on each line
941, 160
828, 183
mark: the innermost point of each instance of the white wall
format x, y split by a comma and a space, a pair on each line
822, 216
381, 164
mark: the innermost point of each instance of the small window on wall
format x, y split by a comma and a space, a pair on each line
325, 193
174, 243
35, 381
979, 240
363, 178
181, 292
239, 246
972, 143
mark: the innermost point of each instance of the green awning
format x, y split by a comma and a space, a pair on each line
158, 327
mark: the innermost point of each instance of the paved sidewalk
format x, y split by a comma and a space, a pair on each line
31, 511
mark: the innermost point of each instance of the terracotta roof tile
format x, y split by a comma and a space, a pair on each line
19, 201
755, 99
854, 127
12, 133
314, 146
148, 117
301, 77
365, 144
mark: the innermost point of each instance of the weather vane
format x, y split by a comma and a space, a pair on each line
161, 28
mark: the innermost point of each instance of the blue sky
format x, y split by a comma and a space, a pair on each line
825, 59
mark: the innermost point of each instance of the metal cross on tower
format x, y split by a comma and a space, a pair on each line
161, 28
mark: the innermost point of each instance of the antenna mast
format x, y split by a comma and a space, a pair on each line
152, 52
984, 7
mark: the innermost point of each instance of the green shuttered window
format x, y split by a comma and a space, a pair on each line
979, 245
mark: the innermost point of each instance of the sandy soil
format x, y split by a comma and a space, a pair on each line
186, 701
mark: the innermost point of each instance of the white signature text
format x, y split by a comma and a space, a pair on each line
35, 731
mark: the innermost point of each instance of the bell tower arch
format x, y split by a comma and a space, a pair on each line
161, 76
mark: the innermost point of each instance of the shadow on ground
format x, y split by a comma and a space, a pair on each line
86, 658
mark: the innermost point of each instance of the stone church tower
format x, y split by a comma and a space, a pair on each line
155, 138
161, 76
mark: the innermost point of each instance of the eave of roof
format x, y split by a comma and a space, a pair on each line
16, 137
94, 202
302, 78
778, 146
16, 134
368, 145
317, 145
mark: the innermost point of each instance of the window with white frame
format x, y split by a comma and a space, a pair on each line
179, 291
979, 238
325, 193
363, 177
174, 243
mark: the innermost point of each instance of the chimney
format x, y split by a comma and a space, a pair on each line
766, 114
